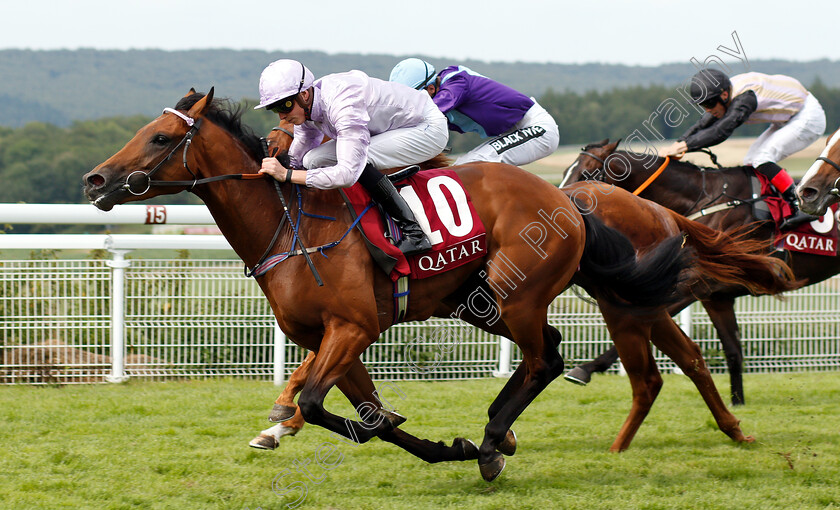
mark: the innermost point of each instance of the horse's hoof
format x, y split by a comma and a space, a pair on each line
578, 375
492, 469
394, 418
508, 446
281, 413
264, 443
468, 448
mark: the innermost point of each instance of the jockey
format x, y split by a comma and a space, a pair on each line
520, 130
795, 116
373, 124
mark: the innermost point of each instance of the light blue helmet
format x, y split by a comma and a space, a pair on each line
417, 74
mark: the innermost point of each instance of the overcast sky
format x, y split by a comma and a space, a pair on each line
642, 32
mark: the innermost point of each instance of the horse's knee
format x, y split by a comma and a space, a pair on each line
646, 388
554, 336
310, 409
734, 360
655, 384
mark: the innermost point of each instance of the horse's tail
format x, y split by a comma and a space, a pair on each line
733, 258
609, 267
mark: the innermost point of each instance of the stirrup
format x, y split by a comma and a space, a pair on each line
414, 245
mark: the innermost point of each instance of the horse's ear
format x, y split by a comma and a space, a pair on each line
191, 92
603, 142
201, 105
611, 147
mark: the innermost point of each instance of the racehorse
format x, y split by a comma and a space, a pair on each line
198, 146
723, 198
818, 189
722, 260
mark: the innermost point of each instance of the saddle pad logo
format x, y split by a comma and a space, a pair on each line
818, 237
443, 210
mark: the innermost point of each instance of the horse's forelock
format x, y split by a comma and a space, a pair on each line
189, 101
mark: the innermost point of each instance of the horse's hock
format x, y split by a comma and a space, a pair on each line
53, 362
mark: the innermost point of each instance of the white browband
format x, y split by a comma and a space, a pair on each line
189, 120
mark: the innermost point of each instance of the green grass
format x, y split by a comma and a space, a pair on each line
184, 445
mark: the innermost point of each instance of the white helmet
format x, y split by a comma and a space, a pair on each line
281, 79
417, 74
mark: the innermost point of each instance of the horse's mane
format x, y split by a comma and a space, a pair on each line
228, 116
688, 165
675, 162
439, 161
595, 145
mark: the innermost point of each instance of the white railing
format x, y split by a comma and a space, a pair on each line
118, 246
87, 214
94, 320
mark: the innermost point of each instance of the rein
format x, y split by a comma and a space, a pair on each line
653, 176
735, 202
185, 142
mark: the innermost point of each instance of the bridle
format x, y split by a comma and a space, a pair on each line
599, 174
284, 130
185, 142
834, 188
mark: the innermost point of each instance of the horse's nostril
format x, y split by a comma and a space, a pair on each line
95, 180
807, 193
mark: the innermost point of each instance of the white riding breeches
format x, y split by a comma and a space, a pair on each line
534, 137
782, 140
396, 148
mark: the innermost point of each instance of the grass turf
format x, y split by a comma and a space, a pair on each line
184, 445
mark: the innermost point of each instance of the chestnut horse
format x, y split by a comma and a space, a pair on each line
721, 261
818, 189
689, 189
199, 145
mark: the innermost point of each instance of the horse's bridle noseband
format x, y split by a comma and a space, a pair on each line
185, 142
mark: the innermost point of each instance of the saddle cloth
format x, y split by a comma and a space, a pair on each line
818, 237
444, 211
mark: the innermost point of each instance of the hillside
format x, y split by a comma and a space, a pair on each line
60, 87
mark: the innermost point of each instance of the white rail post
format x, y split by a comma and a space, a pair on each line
685, 320
118, 266
279, 356
685, 325
504, 358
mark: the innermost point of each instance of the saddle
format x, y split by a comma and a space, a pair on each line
819, 237
456, 240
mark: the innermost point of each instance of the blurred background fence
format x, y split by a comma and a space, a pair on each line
112, 318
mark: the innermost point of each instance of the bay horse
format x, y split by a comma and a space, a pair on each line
688, 189
202, 146
721, 261
818, 189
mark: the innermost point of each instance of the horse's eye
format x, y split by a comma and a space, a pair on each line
160, 140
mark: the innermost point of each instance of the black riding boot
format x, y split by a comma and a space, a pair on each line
797, 217
383, 192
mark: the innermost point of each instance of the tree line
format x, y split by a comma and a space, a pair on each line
62, 86
43, 163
